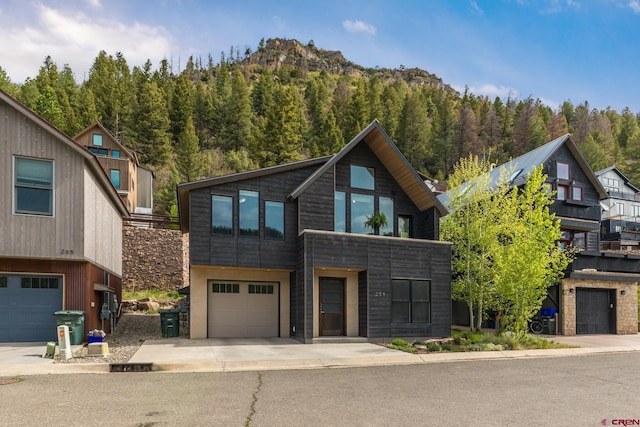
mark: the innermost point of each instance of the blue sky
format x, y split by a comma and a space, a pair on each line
555, 50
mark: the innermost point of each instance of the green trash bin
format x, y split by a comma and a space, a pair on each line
549, 326
74, 319
170, 322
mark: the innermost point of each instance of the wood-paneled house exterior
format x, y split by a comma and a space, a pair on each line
61, 224
620, 211
598, 294
284, 252
133, 182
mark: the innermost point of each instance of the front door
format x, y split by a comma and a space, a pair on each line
331, 306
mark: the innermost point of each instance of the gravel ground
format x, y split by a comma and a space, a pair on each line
132, 330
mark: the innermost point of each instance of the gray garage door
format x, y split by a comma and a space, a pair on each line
27, 304
595, 311
242, 309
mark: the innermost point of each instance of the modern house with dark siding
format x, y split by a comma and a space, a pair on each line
284, 251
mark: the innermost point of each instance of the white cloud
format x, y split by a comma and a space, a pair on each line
491, 91
634, 5
358, 27
96, 4
75, 38
475, 8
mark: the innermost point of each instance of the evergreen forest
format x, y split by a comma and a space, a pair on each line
249, 110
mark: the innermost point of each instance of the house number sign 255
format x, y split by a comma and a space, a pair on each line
379, 294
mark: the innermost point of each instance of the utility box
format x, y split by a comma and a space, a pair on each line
74, 320
170, 323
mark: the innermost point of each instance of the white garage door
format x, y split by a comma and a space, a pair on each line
242, 309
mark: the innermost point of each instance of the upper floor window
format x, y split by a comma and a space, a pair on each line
576, 193
386, 207
562, 170
562, 192
635, 210
339, 212
114, 174
115, 153
404, 226
362, 177
611, 183
99, 151
361, 209
33, 186
97, 140
274, 220
222, 215
249, 214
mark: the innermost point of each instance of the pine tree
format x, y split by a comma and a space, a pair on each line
190, 163
237, 128
153, 141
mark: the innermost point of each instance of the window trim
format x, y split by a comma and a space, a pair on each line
412, 300
566, 192
573, 193
50, 188
93, 139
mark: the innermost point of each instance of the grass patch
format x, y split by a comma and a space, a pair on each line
461, 341
152, 294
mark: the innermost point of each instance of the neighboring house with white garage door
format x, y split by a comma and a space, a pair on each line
284, 251
61, 222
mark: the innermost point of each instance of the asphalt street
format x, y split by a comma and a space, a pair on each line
565, 391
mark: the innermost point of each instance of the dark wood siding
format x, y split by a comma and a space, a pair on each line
363, 305
381, 260
589, 208
207, 249
316, 205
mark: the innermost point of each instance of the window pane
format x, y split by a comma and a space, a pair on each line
115, 177
361, 209
420, 312
249, 213
222, 215
35, 173
115, 153
386, 207
400, 290
562, 170
420, 290
577, 193
400, 312
340, 212
97, 139
580, 240
274, 220
33, 201
404, 226
563, 192
362, 177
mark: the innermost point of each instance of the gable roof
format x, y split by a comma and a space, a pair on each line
91, 160
522, 166
131, 154
184, 189
390, 156
620, 174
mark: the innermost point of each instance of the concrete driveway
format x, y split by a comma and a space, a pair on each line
23, 354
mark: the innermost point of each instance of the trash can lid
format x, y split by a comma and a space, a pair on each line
72, 312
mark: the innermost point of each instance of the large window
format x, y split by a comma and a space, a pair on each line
274, 220
222, 215
249, 213
386, 207
33, 186
340, 212
361, 209
362, 177
114, 174
411, 302
562, 170
404, 226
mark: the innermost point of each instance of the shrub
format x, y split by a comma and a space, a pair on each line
433, 346
399, 342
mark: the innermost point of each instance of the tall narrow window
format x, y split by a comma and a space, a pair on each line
562, 170
222, 215
33, 186
339, 212
362, 177
576, 193
404, 226
249, 213
562, 192
386, 207
361, 209
274, 220
97, 139
115, 177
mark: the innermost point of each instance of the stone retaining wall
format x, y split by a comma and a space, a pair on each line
154, 258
